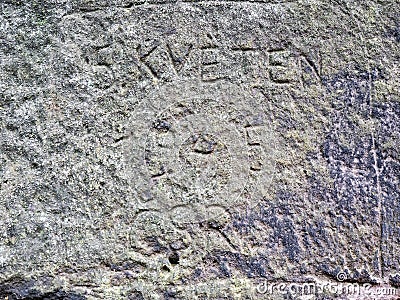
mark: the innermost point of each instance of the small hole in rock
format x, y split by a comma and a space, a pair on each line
165, 268
174, 258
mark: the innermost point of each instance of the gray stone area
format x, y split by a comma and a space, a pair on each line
199, 149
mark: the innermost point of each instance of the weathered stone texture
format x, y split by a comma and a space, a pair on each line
195, 149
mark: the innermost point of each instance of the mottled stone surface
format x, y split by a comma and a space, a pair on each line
199, 149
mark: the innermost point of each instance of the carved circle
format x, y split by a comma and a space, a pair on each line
189, 151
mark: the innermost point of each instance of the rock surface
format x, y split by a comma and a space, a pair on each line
199, 149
